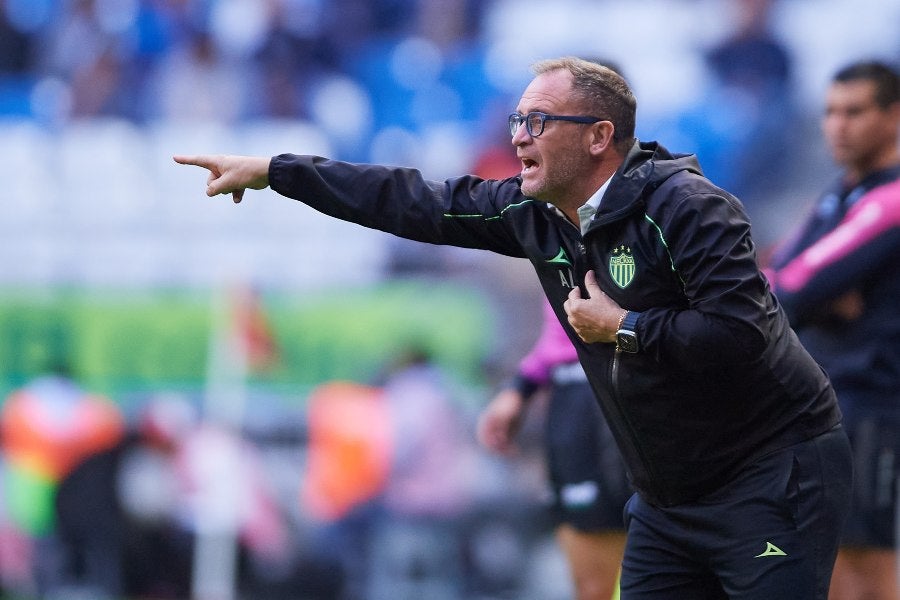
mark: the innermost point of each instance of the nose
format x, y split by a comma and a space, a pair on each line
521, 136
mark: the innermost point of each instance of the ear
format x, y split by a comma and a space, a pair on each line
602, 139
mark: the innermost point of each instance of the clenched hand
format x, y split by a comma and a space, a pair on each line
595, 318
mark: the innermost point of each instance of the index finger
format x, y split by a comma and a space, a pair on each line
199, 160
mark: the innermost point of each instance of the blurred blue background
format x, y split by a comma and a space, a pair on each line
118, 273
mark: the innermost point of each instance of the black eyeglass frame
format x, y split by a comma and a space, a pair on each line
516, 120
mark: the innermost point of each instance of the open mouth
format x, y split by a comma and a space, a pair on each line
528, 165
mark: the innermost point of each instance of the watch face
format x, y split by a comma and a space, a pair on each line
626, 341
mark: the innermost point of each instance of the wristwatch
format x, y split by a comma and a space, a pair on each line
626, 336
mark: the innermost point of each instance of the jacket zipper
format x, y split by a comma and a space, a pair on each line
626, 423
614, 382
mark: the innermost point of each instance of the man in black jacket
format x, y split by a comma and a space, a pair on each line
730, 431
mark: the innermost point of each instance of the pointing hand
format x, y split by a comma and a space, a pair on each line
230, 174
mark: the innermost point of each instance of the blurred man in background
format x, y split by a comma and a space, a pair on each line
586, 472
838, 278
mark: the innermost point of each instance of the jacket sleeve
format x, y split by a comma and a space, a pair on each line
465, 211
867, 238
721, 316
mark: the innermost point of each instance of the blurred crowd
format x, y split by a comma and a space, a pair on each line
236, 60
428, 83
367, 491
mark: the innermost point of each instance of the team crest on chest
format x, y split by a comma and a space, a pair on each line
621, 266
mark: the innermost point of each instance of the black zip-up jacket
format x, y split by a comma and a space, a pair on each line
720, 378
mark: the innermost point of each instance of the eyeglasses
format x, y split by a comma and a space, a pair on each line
534, 122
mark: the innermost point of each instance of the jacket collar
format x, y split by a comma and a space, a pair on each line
646, 166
